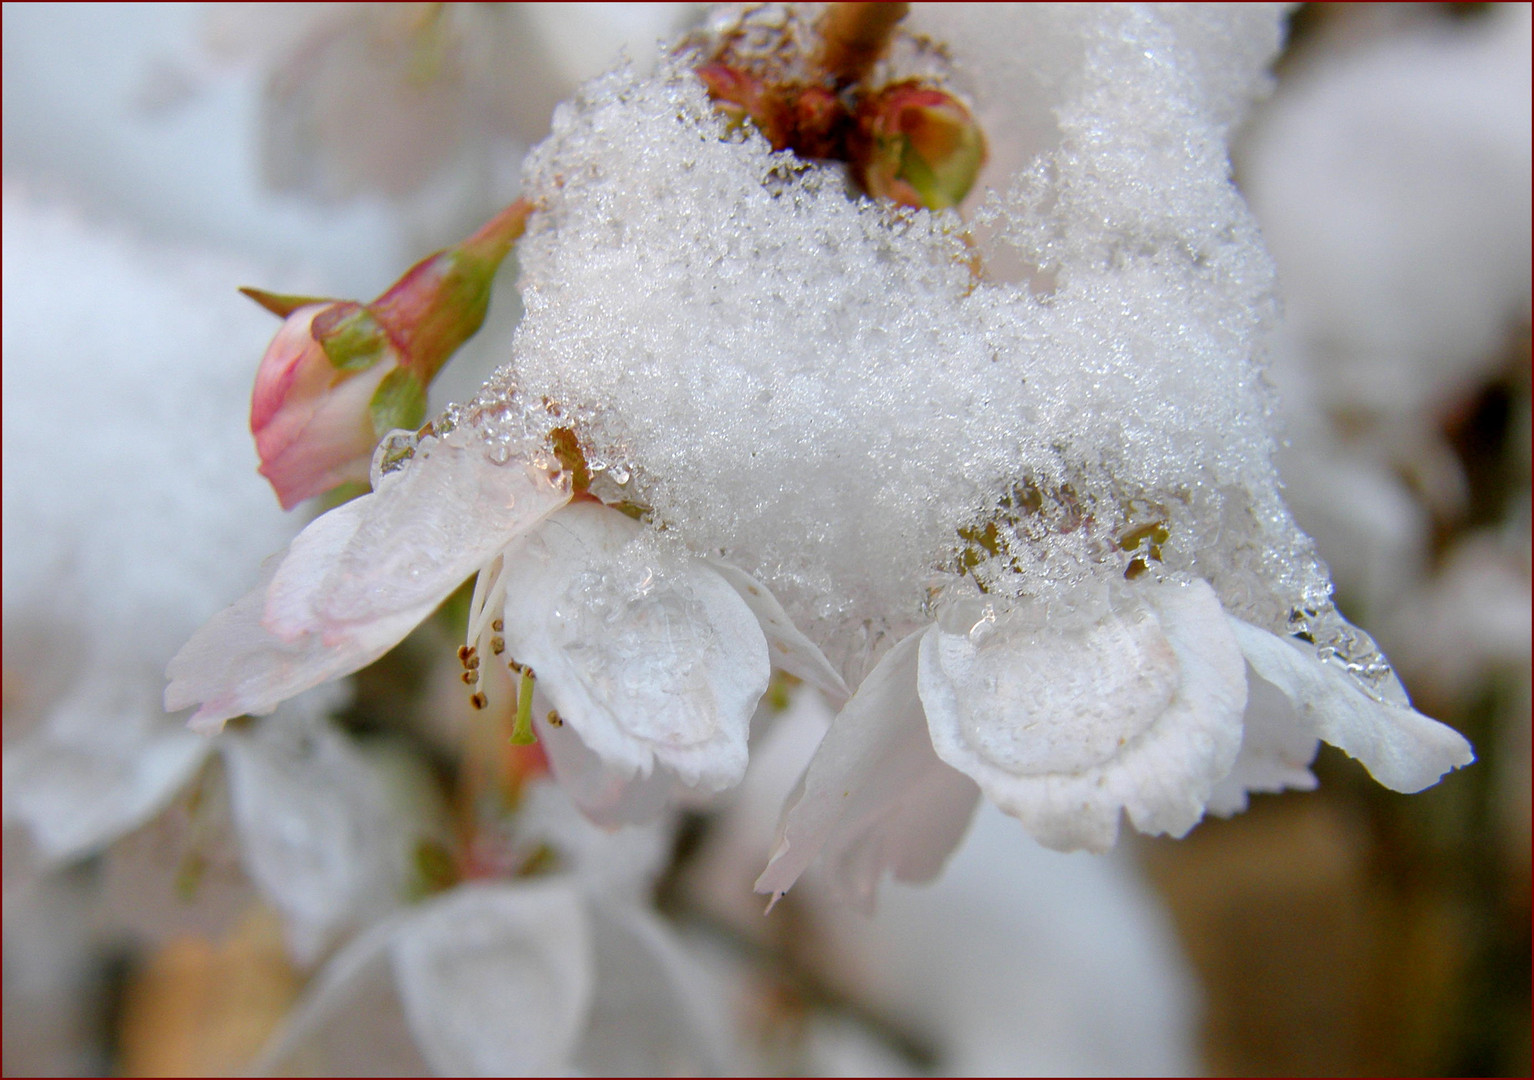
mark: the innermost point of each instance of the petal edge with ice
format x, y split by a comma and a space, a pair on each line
790, 649
1400, 747
356, 581
434, 523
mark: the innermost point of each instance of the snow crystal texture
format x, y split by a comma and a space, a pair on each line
870, 407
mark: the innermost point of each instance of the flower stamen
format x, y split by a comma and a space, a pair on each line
489, 595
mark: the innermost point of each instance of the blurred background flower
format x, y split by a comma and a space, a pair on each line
169, 900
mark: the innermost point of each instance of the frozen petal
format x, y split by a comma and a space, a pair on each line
1276, 749
97, 768
1132, 703
649, 1015
427, 528
356, 581
651, 659
496, 979
786, 644
1400, 747
875, 796
234, 666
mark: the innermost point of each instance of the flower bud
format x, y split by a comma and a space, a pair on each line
339, 375
310, 415
917, 145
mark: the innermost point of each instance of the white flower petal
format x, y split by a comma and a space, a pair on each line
650, 659
606, 794
234, 666
427, 528
496, 979
649, 1014
606, 860
357, 580
98, 767
1133, 703
302, 569
1276, 750
350, 1022
875, 796
787, 646
1400, 747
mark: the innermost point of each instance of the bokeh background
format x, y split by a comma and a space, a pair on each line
1345, 931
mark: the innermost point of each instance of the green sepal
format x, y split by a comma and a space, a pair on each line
281, 304
399, 402
350, 336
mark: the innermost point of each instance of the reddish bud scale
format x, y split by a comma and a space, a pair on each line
812, 121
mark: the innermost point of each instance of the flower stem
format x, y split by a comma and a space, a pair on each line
853, 35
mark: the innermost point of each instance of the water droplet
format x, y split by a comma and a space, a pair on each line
394, 451
982, 627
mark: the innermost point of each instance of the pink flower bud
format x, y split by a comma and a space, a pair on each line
309, 414
339, 375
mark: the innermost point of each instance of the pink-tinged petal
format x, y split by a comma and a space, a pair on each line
310, 418
1400, 747
291, 356
306, 452
427, 528
649, 656
1276, 750
234, 666
875, 796
789, 649
1133, 703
